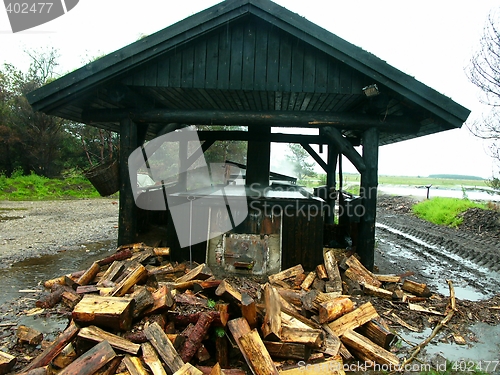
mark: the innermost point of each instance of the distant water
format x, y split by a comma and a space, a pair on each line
421, 192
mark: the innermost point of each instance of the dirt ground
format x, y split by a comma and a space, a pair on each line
469, 256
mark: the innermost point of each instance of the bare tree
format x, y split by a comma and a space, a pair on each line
484, 72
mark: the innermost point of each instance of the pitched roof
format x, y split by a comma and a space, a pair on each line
163, 70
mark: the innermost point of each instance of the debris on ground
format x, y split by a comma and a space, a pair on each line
136, 312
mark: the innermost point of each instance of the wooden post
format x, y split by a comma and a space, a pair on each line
368, 192
258, 158
331, 183
127, 220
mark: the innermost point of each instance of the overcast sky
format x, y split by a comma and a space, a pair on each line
431, 40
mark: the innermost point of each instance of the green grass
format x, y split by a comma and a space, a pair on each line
444, 211
34, 187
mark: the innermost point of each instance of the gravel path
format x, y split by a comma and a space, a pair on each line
30, 229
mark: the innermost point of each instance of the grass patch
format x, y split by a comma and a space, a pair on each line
34, 187
444, 211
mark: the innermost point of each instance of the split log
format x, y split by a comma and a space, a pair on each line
351, 287
112, 312
188, 369
166, 269
207, 370
110, 367
91, 361
249, 310
333, 272
359, 273
377, 333
306, 284
67, 355
239, 327
222, 350
45, 357
331, 345
142, 256
89, 274
271, 327
225, 288
7, 362
257, 354
151, 359
402, 323
112, 273
193, 341
162, 251
388, 278
164, 347
119, 255
139, 273
285, 350
299, 279
204, 285
334, 308
202, 354
306, 336
97, 334
321, 272
134, 365
334, 366
292, 296
201, 272
291, 317
162, 300
366, 350
354, 319
223, 309
27, 335
86, 289
143, 299
345, 353
52, 299
377, 292
286, 274
418, 289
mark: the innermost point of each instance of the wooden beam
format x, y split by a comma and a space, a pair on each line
258, 158
246, 118
368, 193
315, 156
344, 147
127, 220
331, 184
241, 135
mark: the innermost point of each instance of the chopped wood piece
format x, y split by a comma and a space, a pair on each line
193, 341
112, 312
351, 287
459, 340
45, 357
49, 284
216, 370
430, 310
134, 365
401, 322
206, 370
258, 356
359, 273
292, 296
143, 299
202, 354
162, 300
222, 350
52, 299
164, 347
248, 310
306, 284
377, 333
119, 255
321, 272
388, 278
96, 334
27, 335
377, 292
289, 350
226, 288
239, 327
134, 277
111, 367
204, 285
299, 279
91, 361
306, 336
188, 369
418, 289
151, 359
109, 277
89, 274
366, 350
354, 319
286, 274
331, 345
67, 355
271, 327
162, 251
85, 289
201, 272
7, 362
333, 272
166, 269
332, 309
333, 366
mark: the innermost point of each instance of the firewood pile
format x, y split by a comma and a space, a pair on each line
137, 313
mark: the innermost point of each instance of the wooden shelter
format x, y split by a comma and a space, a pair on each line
254, 63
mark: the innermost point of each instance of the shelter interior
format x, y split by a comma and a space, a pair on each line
253, 67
